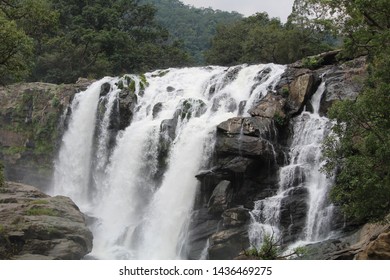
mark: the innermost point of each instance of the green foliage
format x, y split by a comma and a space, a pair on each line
16, 51
260, 39
358, 152
41, 212
270, 250
195, 27
311, 62
280, 120
39, 202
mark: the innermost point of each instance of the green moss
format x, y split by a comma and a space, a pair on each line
285, 92
280, 120
39, 202
14, 150
55, 102
312, 62
41, 212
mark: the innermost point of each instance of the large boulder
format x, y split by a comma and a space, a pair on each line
34, 225
269, 107
300, 91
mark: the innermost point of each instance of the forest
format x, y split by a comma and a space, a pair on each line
58, 41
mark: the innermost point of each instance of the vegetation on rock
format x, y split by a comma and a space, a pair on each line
358, 151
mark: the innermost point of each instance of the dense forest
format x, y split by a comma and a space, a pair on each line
195, 27
59, 41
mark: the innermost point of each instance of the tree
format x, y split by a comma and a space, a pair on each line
16, 51
260, 39
98, 38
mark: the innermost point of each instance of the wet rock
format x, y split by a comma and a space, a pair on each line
157, 109
255, 126
246, 146
170, 89
203, 225
293, 211
235, 217
343, 82
220, 198
227, 244
127, 103
300, 91
37, 226
241, 107
105, 89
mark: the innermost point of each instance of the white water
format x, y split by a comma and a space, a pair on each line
303, 171
72, 168
137, 216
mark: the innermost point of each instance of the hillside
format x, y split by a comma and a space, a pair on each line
193, 26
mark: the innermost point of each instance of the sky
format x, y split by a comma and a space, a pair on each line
274, 8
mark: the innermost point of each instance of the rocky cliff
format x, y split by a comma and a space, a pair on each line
34, 225
32, 117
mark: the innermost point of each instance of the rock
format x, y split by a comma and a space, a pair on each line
32, 119
105, 89
246, 146
293, 211
241, 107
227, 244
343, 82
235, 217
377, 249
127, 103
170, 89
220, 198
37, 226
300, 91
203, 225
269, 107
255, 126
157, 109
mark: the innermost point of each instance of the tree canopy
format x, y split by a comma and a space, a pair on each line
195, 27
61, 41
261, 39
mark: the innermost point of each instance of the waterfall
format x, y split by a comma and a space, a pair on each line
302, 173
140, 189
72, 167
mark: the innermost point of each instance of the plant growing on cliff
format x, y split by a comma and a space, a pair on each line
270, 250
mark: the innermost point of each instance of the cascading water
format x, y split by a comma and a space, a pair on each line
143, 195
302, 172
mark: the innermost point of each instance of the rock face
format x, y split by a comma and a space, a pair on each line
36, 226
32, 117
